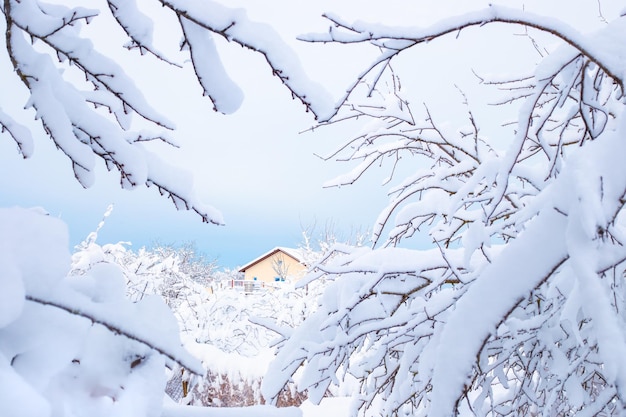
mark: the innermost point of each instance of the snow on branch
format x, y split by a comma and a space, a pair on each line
206, 212
64, 41
178, 356
137, 26
234, 26
223, 92
20, 134
394, 40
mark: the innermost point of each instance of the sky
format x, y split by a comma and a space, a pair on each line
257, 166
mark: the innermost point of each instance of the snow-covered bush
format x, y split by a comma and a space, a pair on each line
234, 380
234, 337
176, 274
73, 344
234, 322
229, 331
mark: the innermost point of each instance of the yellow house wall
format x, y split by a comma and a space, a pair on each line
264, 270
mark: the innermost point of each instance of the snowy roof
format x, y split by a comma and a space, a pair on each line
292, 252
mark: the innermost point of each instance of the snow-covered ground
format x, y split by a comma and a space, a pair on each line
329, 407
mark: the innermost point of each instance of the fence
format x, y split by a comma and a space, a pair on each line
249, 287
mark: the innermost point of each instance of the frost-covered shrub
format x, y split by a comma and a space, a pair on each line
234, 337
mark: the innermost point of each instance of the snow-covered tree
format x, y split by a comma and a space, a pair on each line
518, 307
91, 108
176, 275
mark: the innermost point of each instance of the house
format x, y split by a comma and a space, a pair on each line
279, 264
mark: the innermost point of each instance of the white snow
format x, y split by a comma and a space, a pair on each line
223, 92
76, 345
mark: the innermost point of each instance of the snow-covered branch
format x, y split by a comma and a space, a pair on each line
85, 100
395, 40
137, 26
180, 358
234, 26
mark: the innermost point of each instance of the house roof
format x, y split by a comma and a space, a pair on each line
291, 252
